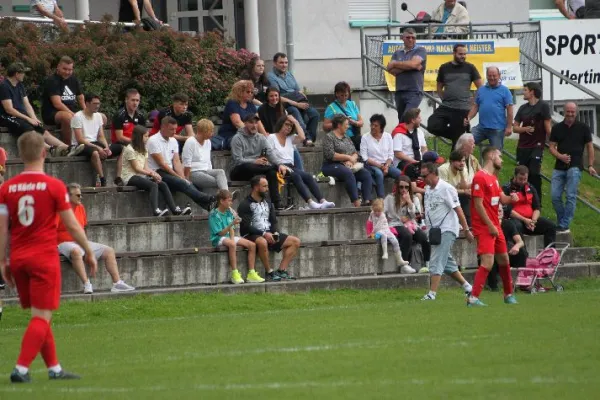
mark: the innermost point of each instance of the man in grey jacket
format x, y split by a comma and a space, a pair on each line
252, 155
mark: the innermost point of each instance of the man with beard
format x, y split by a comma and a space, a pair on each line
454, 89
491, 244
454, 173
259, 225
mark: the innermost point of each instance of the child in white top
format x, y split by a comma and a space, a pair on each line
381, 230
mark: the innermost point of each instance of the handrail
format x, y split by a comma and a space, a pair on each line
68, 21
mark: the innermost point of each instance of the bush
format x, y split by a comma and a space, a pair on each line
108, 62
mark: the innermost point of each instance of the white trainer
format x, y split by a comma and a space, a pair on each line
407, 269
87, 288
121, 287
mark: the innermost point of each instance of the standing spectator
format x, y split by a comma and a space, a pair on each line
255, 73
88, 130
18, 116
571, 9
494, 102
222, 222
592, 9
454, 89
49, 9
239, 105
179, 111
136, 173
568, 140
533, 123
377, 151
61, 94
197, 165
409, 140
340, 160
288, 130
408, 66
252, 155
343, 105
443, 211
164, 159
452, 13
284, 80
131, 11
526, 211
69, 249
455, 173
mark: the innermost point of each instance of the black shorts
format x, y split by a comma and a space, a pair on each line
531, 158
18, 126
49, 118
115, 148
276, 247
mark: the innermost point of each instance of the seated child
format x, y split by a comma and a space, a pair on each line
377, 227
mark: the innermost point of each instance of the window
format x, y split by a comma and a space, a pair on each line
372, 10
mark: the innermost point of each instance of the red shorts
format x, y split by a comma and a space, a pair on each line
488, 244
38, 283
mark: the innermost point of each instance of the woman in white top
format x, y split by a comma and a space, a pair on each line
136, 173
197, 165
288, 132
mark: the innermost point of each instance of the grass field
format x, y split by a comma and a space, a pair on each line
384, 344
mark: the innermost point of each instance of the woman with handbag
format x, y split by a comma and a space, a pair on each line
340, 160
343, 105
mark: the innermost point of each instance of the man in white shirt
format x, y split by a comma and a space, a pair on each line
88, 129
409, 140
49, 9
163, 158
377, 151
443, 211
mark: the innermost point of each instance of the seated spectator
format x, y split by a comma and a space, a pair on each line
49, 9
69, 249
454, 172
376, 150
409, 140
452, 13
343, 105
239, 105
131, 11
222, 222
403, 210
164, 159
526, 212
289, 131
18, 116
340, 160
517, 252
379, 229
197, 165
136, 173
252, 155
571, 9
2, 164
88, 130
179, 111
259, 225
285, 81
466, 146
255, 73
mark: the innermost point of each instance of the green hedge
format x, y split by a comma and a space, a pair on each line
109, 61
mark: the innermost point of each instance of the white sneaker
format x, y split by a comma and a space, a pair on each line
327, 204
407, 269
313, 205
87, 288
121, 287
428, 296
384, 256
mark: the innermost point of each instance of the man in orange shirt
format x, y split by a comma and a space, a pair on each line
74, 253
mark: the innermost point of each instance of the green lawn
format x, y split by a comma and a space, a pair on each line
384, 344
585, 224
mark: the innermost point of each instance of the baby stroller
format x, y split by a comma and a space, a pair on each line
542, 268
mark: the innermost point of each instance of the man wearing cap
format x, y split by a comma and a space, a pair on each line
455, 174
251, 155
17, 115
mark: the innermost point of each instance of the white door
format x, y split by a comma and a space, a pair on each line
202, 16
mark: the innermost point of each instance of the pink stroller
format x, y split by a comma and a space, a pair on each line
542, 268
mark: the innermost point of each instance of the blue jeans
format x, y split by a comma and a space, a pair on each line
405, 101
379, 178
344, 174
566, 181
308, 119
298, 163
495, 136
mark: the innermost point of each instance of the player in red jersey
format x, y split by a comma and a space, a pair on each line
487, 196
29, 203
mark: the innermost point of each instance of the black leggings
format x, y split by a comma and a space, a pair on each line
246, 171
305, 185
405, 239
153, 188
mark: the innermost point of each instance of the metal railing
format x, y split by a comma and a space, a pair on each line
70, 22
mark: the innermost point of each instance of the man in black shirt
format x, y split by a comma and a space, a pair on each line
533, 123
568, 139
179, 112
131, 11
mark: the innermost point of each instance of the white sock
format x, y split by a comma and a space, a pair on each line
56, 369
314, 205
467, 286
22, 370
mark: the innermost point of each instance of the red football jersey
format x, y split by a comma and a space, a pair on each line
32, 200
487, 187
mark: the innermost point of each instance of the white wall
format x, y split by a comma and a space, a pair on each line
479, 10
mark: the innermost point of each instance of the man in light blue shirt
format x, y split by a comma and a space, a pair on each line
297, 103
494, 103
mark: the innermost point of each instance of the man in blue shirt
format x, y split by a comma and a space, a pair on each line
408, 66
494, 103
297, 102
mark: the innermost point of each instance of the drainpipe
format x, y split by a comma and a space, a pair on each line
289, 34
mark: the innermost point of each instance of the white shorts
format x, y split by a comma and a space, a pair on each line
236, 239
66, 248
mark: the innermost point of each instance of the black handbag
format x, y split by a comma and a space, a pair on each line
435, 233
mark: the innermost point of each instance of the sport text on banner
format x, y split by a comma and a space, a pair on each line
503, 53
